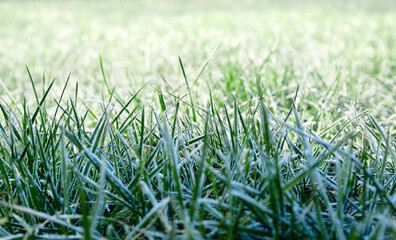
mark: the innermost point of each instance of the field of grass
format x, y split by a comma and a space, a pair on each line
210, 120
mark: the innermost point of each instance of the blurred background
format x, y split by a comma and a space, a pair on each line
341, 54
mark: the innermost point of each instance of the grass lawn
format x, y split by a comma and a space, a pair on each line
186, 120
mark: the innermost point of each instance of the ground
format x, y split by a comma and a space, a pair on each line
213, 119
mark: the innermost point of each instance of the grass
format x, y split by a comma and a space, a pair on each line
233, 121
234, 172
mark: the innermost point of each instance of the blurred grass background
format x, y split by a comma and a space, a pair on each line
340, 54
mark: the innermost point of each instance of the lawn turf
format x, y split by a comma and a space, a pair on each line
187, 120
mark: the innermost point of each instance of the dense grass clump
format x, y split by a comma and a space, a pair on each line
192, 171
